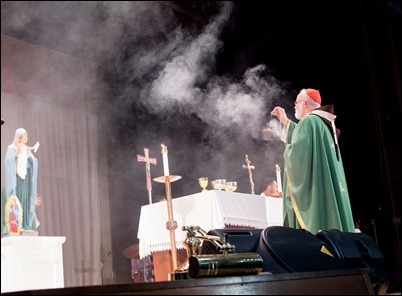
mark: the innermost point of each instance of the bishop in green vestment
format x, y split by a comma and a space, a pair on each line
315, 192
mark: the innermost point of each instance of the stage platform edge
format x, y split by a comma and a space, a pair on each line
335, 282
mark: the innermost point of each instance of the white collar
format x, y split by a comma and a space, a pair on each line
324, 114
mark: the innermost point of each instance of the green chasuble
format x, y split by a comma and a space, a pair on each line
315, 177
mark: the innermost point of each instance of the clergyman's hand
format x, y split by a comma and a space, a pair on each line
281, 114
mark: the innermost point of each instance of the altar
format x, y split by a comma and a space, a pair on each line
211, 209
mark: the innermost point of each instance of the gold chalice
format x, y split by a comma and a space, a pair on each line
203, 181
231, 186
219, 184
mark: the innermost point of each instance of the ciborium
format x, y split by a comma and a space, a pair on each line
231, 186
219, 184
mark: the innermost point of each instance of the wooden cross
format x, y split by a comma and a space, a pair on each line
249, 167
147, 161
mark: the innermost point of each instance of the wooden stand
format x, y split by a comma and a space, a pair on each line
163, 263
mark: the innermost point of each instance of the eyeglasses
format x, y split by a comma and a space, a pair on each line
297, 102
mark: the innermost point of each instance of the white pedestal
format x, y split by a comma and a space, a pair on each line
31, 263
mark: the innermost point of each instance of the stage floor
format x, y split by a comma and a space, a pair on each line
339, 282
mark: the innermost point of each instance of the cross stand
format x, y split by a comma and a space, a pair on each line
249, 167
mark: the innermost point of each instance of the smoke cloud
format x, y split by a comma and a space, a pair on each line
162, 80
158, 83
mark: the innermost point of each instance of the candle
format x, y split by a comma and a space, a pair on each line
278, 178
165, 161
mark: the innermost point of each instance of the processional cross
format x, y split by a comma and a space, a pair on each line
147, 161
249, 167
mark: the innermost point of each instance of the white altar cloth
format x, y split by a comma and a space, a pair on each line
211, 209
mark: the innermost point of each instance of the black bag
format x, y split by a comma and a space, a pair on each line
357, 250
285, 249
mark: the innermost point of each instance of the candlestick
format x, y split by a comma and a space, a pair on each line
171, 224
278, 178
165, 161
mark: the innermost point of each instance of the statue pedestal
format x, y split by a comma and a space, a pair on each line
31, 262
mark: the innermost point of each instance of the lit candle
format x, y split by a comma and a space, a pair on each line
278, 178
165, 161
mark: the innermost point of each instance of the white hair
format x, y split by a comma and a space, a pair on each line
18, 133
